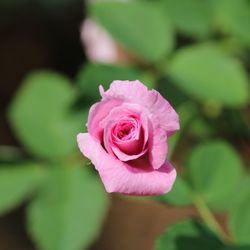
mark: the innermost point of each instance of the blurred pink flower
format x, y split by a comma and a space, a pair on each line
99, 45
127, 139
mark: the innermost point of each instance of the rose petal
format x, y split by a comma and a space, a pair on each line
114, 150
131, 146
157, 147
125, 157
121, 177
134, 91
127, 150
97, 113
161, 109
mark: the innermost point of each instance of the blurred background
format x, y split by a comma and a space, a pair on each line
53, 56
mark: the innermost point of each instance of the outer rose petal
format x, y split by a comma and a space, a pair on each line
157, 148
97, 113
120, 177
135, 92
161, 109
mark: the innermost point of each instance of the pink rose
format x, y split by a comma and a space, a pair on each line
99, 45
127, 139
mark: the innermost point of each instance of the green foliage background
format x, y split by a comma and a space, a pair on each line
196, 54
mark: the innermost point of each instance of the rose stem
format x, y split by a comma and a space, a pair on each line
210, 220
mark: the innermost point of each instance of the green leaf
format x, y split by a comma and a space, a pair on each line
90, 76
18, 182
191, 17
200, 128
39, 115
215, 169
236, 248
208, 75
238, 197
138, 26
233, 17
171, 92
180, 195
188, 235
239, 220
69, 211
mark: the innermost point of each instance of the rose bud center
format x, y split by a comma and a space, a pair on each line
128, 135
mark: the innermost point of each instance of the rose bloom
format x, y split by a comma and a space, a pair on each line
99, 46
127, 139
